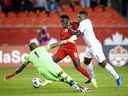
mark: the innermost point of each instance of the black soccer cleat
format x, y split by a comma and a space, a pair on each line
88, 81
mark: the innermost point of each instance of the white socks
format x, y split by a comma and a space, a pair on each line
108, 67
90, 70
111, 70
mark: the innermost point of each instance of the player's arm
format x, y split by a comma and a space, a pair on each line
72, 39
20, 69
51, 46
55, 44
77, 33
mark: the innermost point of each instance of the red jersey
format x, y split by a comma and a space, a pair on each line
67, 33
67, 48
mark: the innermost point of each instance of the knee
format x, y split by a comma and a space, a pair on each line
76, 63
87, 60
103, 64
78, 68
55, 59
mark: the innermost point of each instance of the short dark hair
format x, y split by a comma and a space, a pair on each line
83, 12
64, 16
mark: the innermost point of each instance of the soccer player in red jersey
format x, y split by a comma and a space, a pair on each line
68, 48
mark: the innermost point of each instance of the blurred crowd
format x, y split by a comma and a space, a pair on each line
56, 5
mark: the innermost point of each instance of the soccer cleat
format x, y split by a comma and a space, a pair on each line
88, 81
79, 88
93, 81
83, 89
119, 81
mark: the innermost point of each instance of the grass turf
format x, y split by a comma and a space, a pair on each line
21, 84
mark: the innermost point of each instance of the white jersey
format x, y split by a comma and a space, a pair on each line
88, 34
94, 47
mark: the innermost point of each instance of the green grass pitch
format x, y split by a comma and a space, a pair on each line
21, 85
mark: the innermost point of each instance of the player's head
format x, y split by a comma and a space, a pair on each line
82, 15
33, 45
65, 21
42, 35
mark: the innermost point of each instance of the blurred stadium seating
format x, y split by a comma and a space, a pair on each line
109, 16
21, 34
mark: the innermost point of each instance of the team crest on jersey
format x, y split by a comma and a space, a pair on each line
116, 49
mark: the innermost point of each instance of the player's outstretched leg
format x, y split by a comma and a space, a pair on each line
81, 69
63, 77
112, 71
119, 81
90, 69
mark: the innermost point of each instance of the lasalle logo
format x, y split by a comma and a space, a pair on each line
11, 58
116, 49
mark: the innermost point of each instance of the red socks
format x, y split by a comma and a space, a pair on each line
83, 71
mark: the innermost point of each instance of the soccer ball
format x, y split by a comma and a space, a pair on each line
36, 82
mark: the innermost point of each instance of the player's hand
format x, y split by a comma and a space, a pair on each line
9, 76
72, 39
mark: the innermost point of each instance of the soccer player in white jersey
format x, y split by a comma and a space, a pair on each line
94, 49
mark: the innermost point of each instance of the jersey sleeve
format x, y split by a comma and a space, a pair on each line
85, 26
82, 27
47, 47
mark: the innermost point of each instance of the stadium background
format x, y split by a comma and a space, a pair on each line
17, 27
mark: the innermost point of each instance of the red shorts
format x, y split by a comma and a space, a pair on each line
67, 50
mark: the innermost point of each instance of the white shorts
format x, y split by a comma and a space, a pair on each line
96, 52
